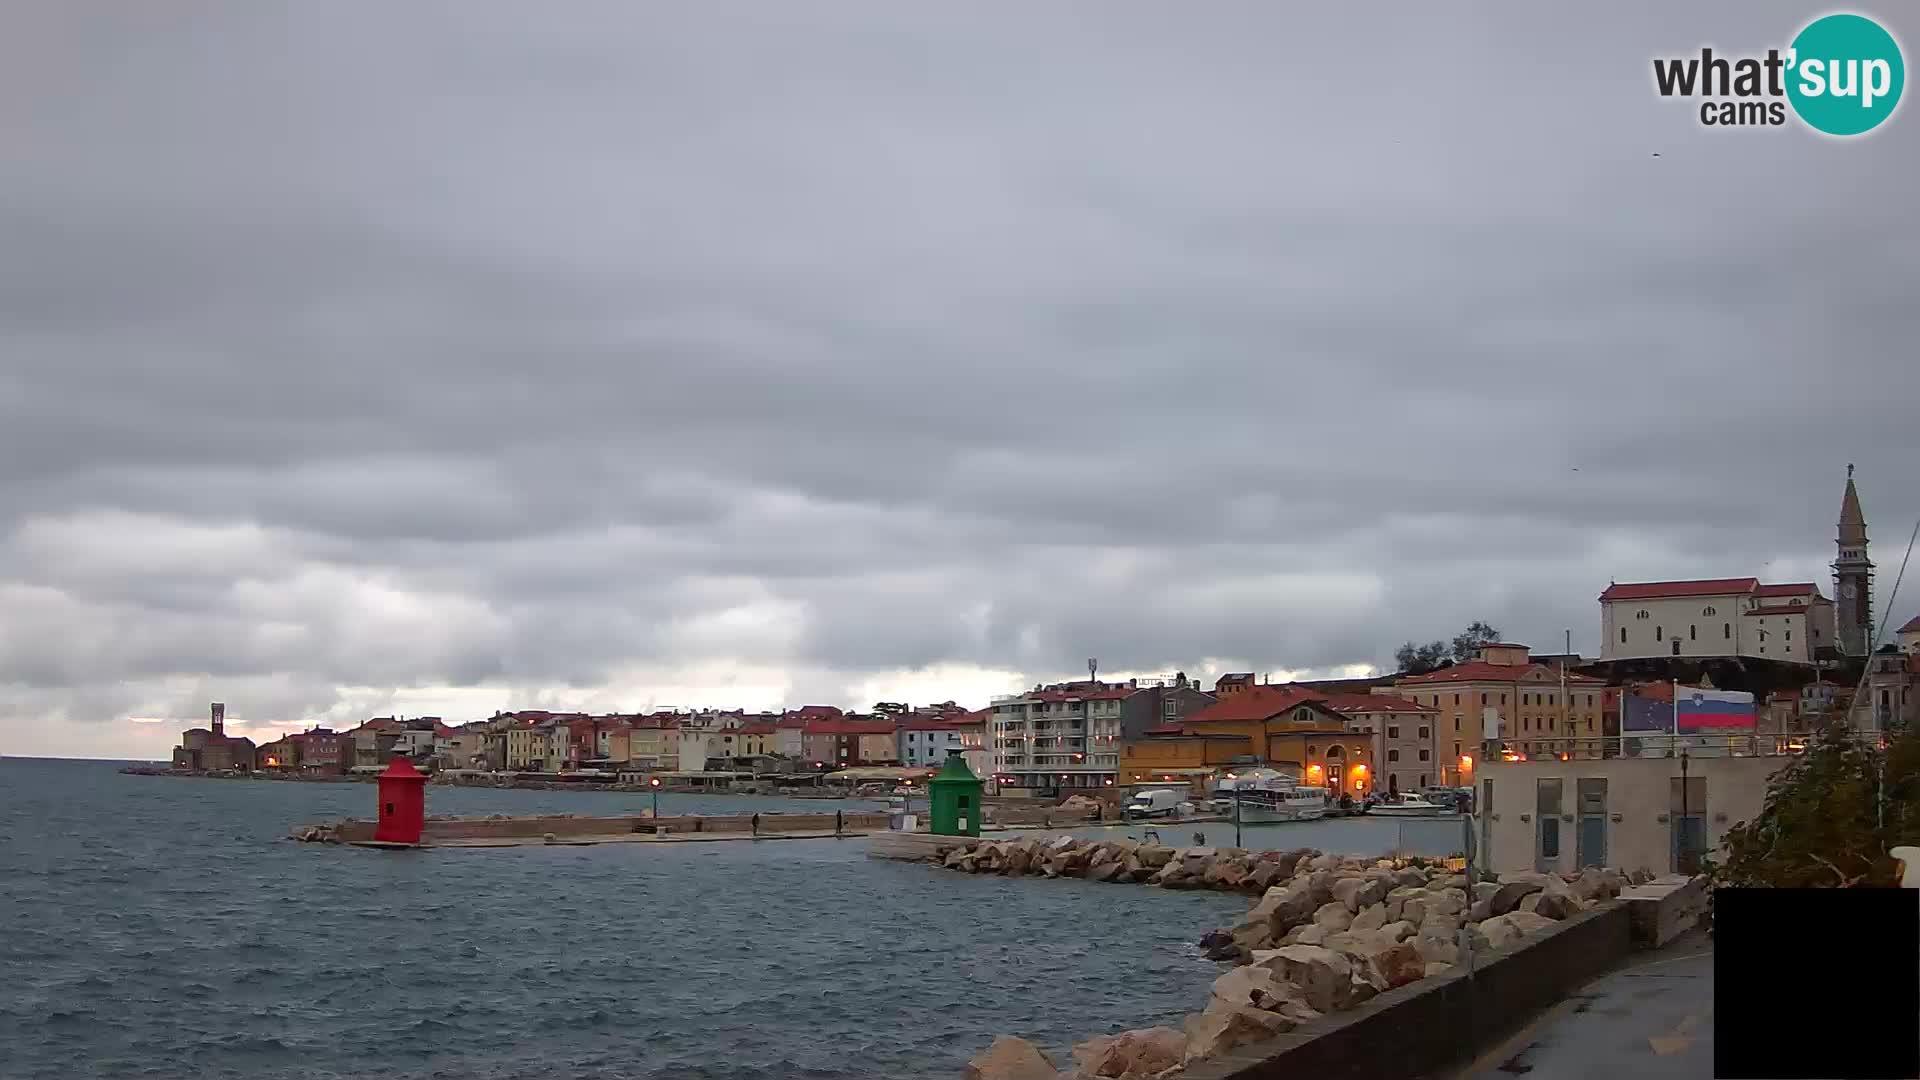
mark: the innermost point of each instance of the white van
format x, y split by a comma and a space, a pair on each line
1157, 803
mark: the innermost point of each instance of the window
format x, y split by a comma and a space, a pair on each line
1483, 699
1393, 732
1169, 708
1641, 614
1659, 631
1623, 635
1552, 698
1393, 755
1425, 732
1456, 750
1503, 700
1424, 755
1693, 633
1456, 700
1789, 635
1708, 610
1423, 779
1526, 723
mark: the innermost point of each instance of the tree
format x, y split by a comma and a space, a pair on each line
1827, 822
1420, 659
1469, 641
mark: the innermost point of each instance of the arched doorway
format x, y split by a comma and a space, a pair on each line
1336, 769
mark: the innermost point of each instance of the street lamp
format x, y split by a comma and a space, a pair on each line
654, 783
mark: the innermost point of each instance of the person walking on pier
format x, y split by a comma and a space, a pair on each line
756, 824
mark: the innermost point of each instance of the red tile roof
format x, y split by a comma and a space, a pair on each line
1360, 703
1798, 588
756, 728
1481, 671
810, 712
1258, 702
1655, 590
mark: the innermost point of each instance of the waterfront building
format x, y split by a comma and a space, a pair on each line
211, 749
461, 747
1502, 693
281, 754
789, 736
1160, 701
652, 741
320, 750
1401, 732
925, 740
1288, 728
1059, 737
527, 745
1602, 807
845, 741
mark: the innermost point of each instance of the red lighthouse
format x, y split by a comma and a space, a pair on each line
403, 804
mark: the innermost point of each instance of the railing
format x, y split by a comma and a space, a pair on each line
1651, 745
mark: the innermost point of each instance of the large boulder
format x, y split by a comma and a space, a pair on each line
1010, 1058
1324, 976
1289, 905
1324, 862
1135, 870
1307, 934
1226, 874
1131, 1055
1386, 965
1414, 909
1371, 917
1435, 950
1398, 931
1438, 925
1263, 989
1508, 896
1410, 878
1333, 915
1529, 922
1153, 856
1446, 901
1530, 877
1483, 890
1263, 874
1289, 861
1019, 859
1481, 911
1107, 871
1554, 905
1223, 1027
1451, 881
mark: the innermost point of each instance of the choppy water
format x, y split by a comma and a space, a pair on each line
161, 927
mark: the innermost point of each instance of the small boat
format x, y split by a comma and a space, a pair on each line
1409, 806
1269, 801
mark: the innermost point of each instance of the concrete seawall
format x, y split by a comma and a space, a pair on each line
463, 831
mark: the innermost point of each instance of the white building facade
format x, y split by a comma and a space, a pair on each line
1725, 617
1056, 738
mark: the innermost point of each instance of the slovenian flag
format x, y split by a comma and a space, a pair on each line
1713, 710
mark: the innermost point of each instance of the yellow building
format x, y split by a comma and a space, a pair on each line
1503, 694
527, 748
1281, 727
652, 744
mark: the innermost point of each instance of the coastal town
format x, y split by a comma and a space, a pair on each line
1730, 674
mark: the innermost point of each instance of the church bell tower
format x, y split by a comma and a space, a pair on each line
1853, 577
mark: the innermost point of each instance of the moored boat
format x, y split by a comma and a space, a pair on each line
1268, 802
1409, 806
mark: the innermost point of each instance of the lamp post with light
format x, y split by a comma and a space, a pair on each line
654, 783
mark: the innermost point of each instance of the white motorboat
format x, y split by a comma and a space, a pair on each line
1269, 801
1408, 806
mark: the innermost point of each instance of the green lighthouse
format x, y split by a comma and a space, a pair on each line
954, 795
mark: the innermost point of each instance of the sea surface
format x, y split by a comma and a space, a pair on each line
163, 927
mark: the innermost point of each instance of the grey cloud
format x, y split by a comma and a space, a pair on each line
349, 354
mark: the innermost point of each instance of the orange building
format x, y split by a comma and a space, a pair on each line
1289, 728
1502, 693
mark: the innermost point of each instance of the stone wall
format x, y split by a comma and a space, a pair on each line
567, 825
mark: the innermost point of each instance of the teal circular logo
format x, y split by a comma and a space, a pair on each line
1845, 74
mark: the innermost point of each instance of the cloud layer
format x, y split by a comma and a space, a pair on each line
440, 358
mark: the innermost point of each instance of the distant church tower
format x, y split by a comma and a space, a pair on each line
1853, 576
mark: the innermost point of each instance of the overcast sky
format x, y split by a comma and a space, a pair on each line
362, 357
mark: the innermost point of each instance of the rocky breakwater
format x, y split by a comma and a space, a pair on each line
1327, 933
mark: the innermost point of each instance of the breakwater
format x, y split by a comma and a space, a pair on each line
1329, 933
474, 831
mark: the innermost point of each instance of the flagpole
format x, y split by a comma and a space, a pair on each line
1676, 713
